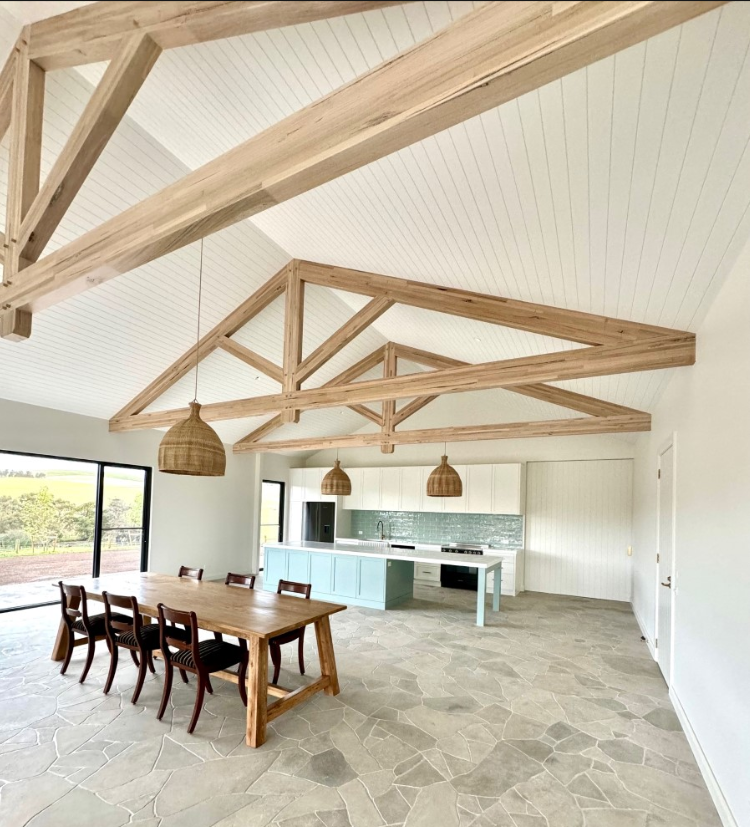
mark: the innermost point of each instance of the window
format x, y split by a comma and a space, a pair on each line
271, 515
66, 518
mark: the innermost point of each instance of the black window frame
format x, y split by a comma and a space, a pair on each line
98, 512
282, 502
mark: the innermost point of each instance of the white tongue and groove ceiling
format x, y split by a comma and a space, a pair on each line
623, 189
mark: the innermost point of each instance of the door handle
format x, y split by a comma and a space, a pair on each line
668, 584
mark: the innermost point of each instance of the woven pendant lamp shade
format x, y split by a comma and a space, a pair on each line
336, 481
444, 481
192, 447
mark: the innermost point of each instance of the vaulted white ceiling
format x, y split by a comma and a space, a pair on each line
623, 189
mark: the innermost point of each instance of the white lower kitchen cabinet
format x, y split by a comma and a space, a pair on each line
428, 574
513, 565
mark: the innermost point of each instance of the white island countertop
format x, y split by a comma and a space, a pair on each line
474, 561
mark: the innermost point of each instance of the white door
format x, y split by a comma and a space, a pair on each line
665, 566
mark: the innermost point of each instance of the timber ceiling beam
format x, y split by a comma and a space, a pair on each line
123, 77
24, 163
250, 357
484, 59
570, 325
470, 433
355, 371
92, 33
237, 319
602, 360
7, 74
361, 320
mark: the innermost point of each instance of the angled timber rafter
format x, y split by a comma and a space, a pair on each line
486, 58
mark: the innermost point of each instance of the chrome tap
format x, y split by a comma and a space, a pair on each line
380, 528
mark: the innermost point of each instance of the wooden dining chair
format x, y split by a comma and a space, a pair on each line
191, 574
78, 621
244, 581
196, 656
130, 633
275, 643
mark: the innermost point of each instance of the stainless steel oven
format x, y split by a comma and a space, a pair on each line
459, 577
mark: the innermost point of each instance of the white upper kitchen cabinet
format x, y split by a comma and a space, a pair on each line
371, 489
506, 489
390, 489
296, 485
411, 488
478, 482
312, 478
354, 500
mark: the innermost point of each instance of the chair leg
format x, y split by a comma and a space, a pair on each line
208, 685
275, 651
141, 678
168, 671
68, 654
134, 658
301, 652
113, 654
218, 636
183, 675
242, 679
150, 661
89, 658
198, 704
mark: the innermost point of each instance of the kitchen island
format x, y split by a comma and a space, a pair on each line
377, 577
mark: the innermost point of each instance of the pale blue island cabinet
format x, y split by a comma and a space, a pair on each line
362, 581
376, 578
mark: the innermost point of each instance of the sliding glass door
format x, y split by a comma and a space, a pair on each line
62, 519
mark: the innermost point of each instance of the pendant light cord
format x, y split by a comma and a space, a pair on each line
198, 331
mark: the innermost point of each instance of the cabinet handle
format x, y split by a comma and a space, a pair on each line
668, 584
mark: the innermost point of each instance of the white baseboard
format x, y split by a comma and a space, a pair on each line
721, 804
642, 625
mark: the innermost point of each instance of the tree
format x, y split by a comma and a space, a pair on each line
84, 521
10, 514
39, 516
135, 514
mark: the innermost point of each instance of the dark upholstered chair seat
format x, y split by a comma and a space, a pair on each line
150, 636
215, 654
97, 623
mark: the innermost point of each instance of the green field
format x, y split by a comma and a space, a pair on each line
75, 488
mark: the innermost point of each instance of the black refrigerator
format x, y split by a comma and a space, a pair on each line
319, 519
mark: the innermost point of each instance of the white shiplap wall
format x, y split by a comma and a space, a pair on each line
578, 528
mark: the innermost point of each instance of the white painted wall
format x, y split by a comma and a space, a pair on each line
707, 407
578, 528
207, 522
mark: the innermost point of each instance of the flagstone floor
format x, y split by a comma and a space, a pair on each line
553, 715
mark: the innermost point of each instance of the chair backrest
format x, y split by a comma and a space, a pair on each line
246, 580
69, 594
113, 625
166, 636
191, 574
294, 588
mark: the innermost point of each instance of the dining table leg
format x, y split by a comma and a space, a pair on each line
327, 655
257, 691
59, 650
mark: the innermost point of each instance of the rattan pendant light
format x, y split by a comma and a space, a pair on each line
192, 447
336, 481
444, 480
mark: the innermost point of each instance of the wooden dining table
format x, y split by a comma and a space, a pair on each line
252, 614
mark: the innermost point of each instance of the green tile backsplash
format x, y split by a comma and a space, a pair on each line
504, 530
